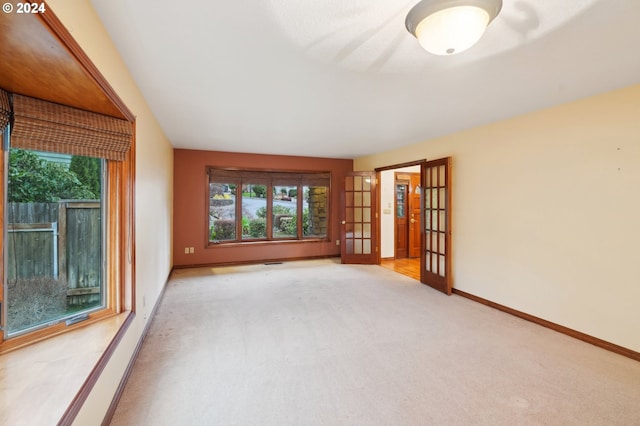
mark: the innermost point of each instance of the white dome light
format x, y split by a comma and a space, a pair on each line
446, 27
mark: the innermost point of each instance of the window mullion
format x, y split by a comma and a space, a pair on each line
269, 210
239, 188
299, 202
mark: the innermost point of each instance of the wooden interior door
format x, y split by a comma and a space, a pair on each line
414, 215
435, 262
358, 238
401, 219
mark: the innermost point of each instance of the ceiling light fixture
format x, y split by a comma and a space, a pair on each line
445, 27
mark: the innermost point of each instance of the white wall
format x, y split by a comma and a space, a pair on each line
387, 198
153, 196
546, 212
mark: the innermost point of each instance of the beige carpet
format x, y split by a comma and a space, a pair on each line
319, 343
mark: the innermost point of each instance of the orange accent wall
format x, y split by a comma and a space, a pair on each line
190, 222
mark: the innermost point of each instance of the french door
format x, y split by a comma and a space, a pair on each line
435, 262
358, 237
414, 222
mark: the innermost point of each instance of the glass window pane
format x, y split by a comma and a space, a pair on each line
254, 211
434, 220
357, 246
366, 184
357, 183
349, 246
400, 200
427, 198
441, 247
357, 217
348, 230
357, 199
427, 262
349, 214
366, 230
366, 215
349, 199
434, 198
441, 194
428, 240
434, 241
284, 212
441, 170
222, 211
434, 263
53, 199
442, 220
366, 246
315, 210
441, 268
358, 230
366, 199
427, 178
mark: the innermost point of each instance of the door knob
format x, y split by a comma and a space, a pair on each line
413, 220
344, 222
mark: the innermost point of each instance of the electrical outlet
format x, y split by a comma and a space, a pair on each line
190, 250
186, 250
337, 242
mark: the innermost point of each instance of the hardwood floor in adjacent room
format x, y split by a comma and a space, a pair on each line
407, 266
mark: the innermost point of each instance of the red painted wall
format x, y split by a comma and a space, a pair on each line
190, 222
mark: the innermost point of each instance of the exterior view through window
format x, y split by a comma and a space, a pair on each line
55, 239
254, 206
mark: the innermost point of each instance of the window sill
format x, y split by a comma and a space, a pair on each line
39, 382
266, 242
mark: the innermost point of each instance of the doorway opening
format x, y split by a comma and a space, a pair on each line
400, 242
377, 216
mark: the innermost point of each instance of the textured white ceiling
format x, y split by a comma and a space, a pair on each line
343, 78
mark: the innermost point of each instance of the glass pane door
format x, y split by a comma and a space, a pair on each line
436, 217
358, 225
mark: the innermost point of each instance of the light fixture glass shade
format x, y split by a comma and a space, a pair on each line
453, 30
446, 27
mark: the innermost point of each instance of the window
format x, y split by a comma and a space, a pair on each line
55, 239
66, 219
267, 206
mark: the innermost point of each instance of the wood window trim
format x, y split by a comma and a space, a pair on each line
121, 184
120, 252
102, 333
270, 179
55, 26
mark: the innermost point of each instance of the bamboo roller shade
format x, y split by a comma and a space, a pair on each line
5, 109
45, 126
275, 178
